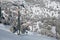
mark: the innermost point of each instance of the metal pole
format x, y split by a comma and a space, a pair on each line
19, 25
19, 21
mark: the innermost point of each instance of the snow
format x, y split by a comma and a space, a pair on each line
4, 27
53, 29
36, 37
5, 35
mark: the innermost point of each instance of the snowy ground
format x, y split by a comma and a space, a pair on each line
36, 36
4, 27
5, 35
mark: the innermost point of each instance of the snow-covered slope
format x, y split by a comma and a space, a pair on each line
4, 35
5, 27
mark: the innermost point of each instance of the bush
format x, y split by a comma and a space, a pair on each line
49, 28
